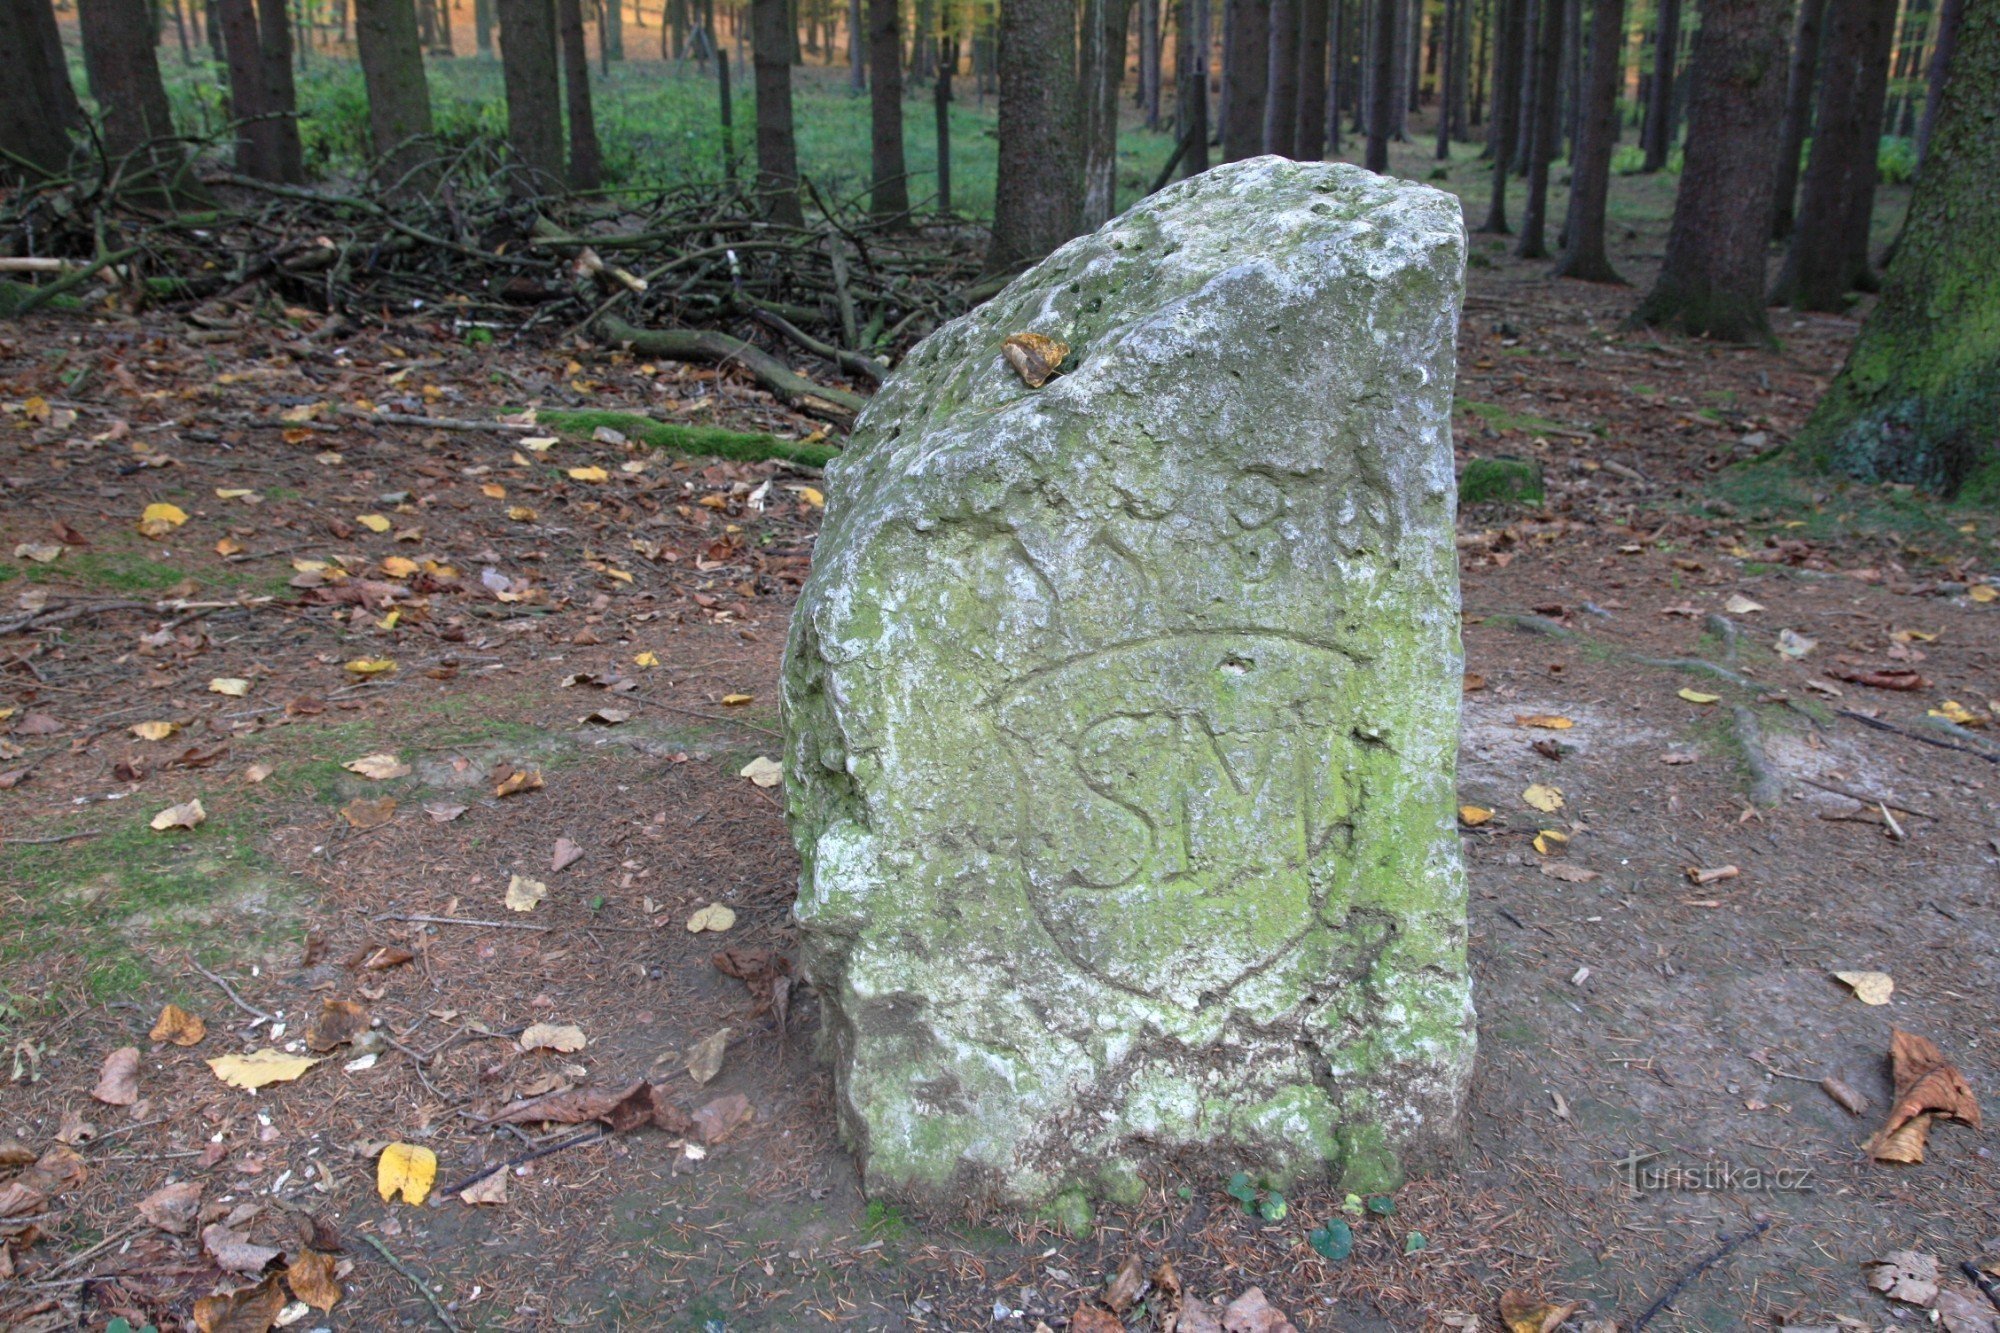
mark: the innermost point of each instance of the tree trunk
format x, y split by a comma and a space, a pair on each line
1381, 81
251, 104
1191, 84
1590, 172
1524, 87
37, 23
1798, 111
941, 104
1281, 79
118, 55
613, 34
857, 48
31, 111
1149, 62
1656, 133
1711, 280
482, 25
1546, 75
534, 94
1920, 391
777, 143
586, 162
1829, 251
1309, 128
889, 195
399, 101
274, 35
1245, 69
1446, 58
1039, 185
1950, 17
1100, 75
1572, 79
1508, 18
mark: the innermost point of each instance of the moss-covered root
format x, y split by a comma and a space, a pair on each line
1765, 789
1500, 481
698, 440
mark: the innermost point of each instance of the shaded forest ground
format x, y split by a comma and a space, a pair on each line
624, 651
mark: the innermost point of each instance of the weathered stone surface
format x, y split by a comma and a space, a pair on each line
1123, 712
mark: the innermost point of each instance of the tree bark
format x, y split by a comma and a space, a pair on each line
1191, 51
1245, 70
482, 25
1446, 57
889, 195
1919, 395
1829, 251
1711, 281
1656, 132
38, 20
1590, 173
118, 55
399, 101
1381, 81
1149, 62
1038, 192
614, 30
534, 94
1508, 17
586, 162
1799, 85
1281, 79
857, 48
941, 105
777, 141
1100, 75
251, 102
31, 112
1950, 16
1309, 127
1545, 77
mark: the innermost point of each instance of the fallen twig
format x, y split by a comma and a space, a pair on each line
1729, 1243
591, 1135
1866, 798
423, 1287
230, 991
458, 921
1938, 741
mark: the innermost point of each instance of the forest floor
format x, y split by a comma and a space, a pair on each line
570, 653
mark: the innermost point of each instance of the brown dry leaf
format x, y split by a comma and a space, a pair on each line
565, 855
1198, 1316
704, 1058
118, 1081
252, 1310
1091, 1319
364, 814
1251, 1313
311, 1278
337, 1023
407, 1169
623, 1108
1903, 1145
1034, 356
1522, 1313
1124, 1289
721, 1118
518, 781
179, 1027
487, 1190
1927, 1087
188, 814
1905, 1275
563, 1037
172, 1208
378, 767
235, 1251
1883, 680
1567, 872
382, 958
1849, 1100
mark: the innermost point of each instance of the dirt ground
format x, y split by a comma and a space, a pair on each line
1651, 1048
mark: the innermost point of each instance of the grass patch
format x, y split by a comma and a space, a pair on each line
1779, 496
700, 441
1506, 418
137, 575
1500, 481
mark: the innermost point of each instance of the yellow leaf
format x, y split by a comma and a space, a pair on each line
406, 1169
523, 893
164, 515
521, 513
229, 546
155, 731
188, 814
563, 1037
1472, 816
1548, 841
738, 700
399, 566
259, 1068
1869, 987
1545, 720
520, 780
373, 522
370, 666
378, 767
389, 621
647, 659
42, 553
1544, 798
493, 490
810, 496
1697, 697
541, 444
763, 771
588, 474
233, 492
179, 1026
233, 686
712, 917
1982, 592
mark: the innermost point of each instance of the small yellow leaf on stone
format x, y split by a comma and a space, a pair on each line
588, 474
738, 700
524, 893
370, 666
188, 814
762, 771
233, 686
406, 1169
1697, 697
235, 493
1982, 592
712, 917
647, 659
1472, 816
1547, 721
1951, 710
1869, 987
1544, 798
373, 522
155, 731
259, 1068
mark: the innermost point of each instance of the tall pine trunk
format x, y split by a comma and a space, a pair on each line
251, 103
1711, 281
1246, 66
1100, 75
32, 118
1799, 84
399, 102
37, 20
1447, 55
1950, 16
482, 25
1191, 49
857, 48
1656, 132
613, 30
1382, 27
1038, 190
586, 162
1545, 76
1829, 251
1281, 79
529, 70
1309, 127
777, 143
1509, 16
889, 195
1920, 393
1590, 172
941, 111
1149, 62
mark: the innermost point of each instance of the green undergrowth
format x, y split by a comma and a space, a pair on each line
1506, 418
1780, 497
136, 574
697, 441
1500, 481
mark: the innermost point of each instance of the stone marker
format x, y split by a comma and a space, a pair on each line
1122, 713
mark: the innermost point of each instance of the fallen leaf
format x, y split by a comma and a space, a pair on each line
188, 814
810, 496
624, 1108
1927, 1086
1252, 1313
172, 1208
1709, 874
337, 1023
443, 812
1869, 987
737, 700
1545, 798
370, 666
118, 1080
1124, 1289
520, 780
588, 474
524, 893
1951, 710
1883, 680
364, 814
251, 1310
704, 1058
373, 522
42, 553
1905, 1275
1847, 1098
160, 519
311, 1278
1567, 872
1982, 592
1739, 605
721, 1118
407, 1169
1472, 816
258, 772
378, 767
233, 686
260, 1068
565, 855
1551, 842
491, 1189
712, 917
235, 1251
1547, 721
1034, 356
647, 659
564, 1037
608, 717
1697, 696
1522, 1313
1794, 645
155, 731
1091, 1319
763, 772
178, 1026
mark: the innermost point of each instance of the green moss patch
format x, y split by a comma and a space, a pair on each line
710, 441
1500, 481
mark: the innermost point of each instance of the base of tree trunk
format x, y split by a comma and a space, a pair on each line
1706, 315
1943, 441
